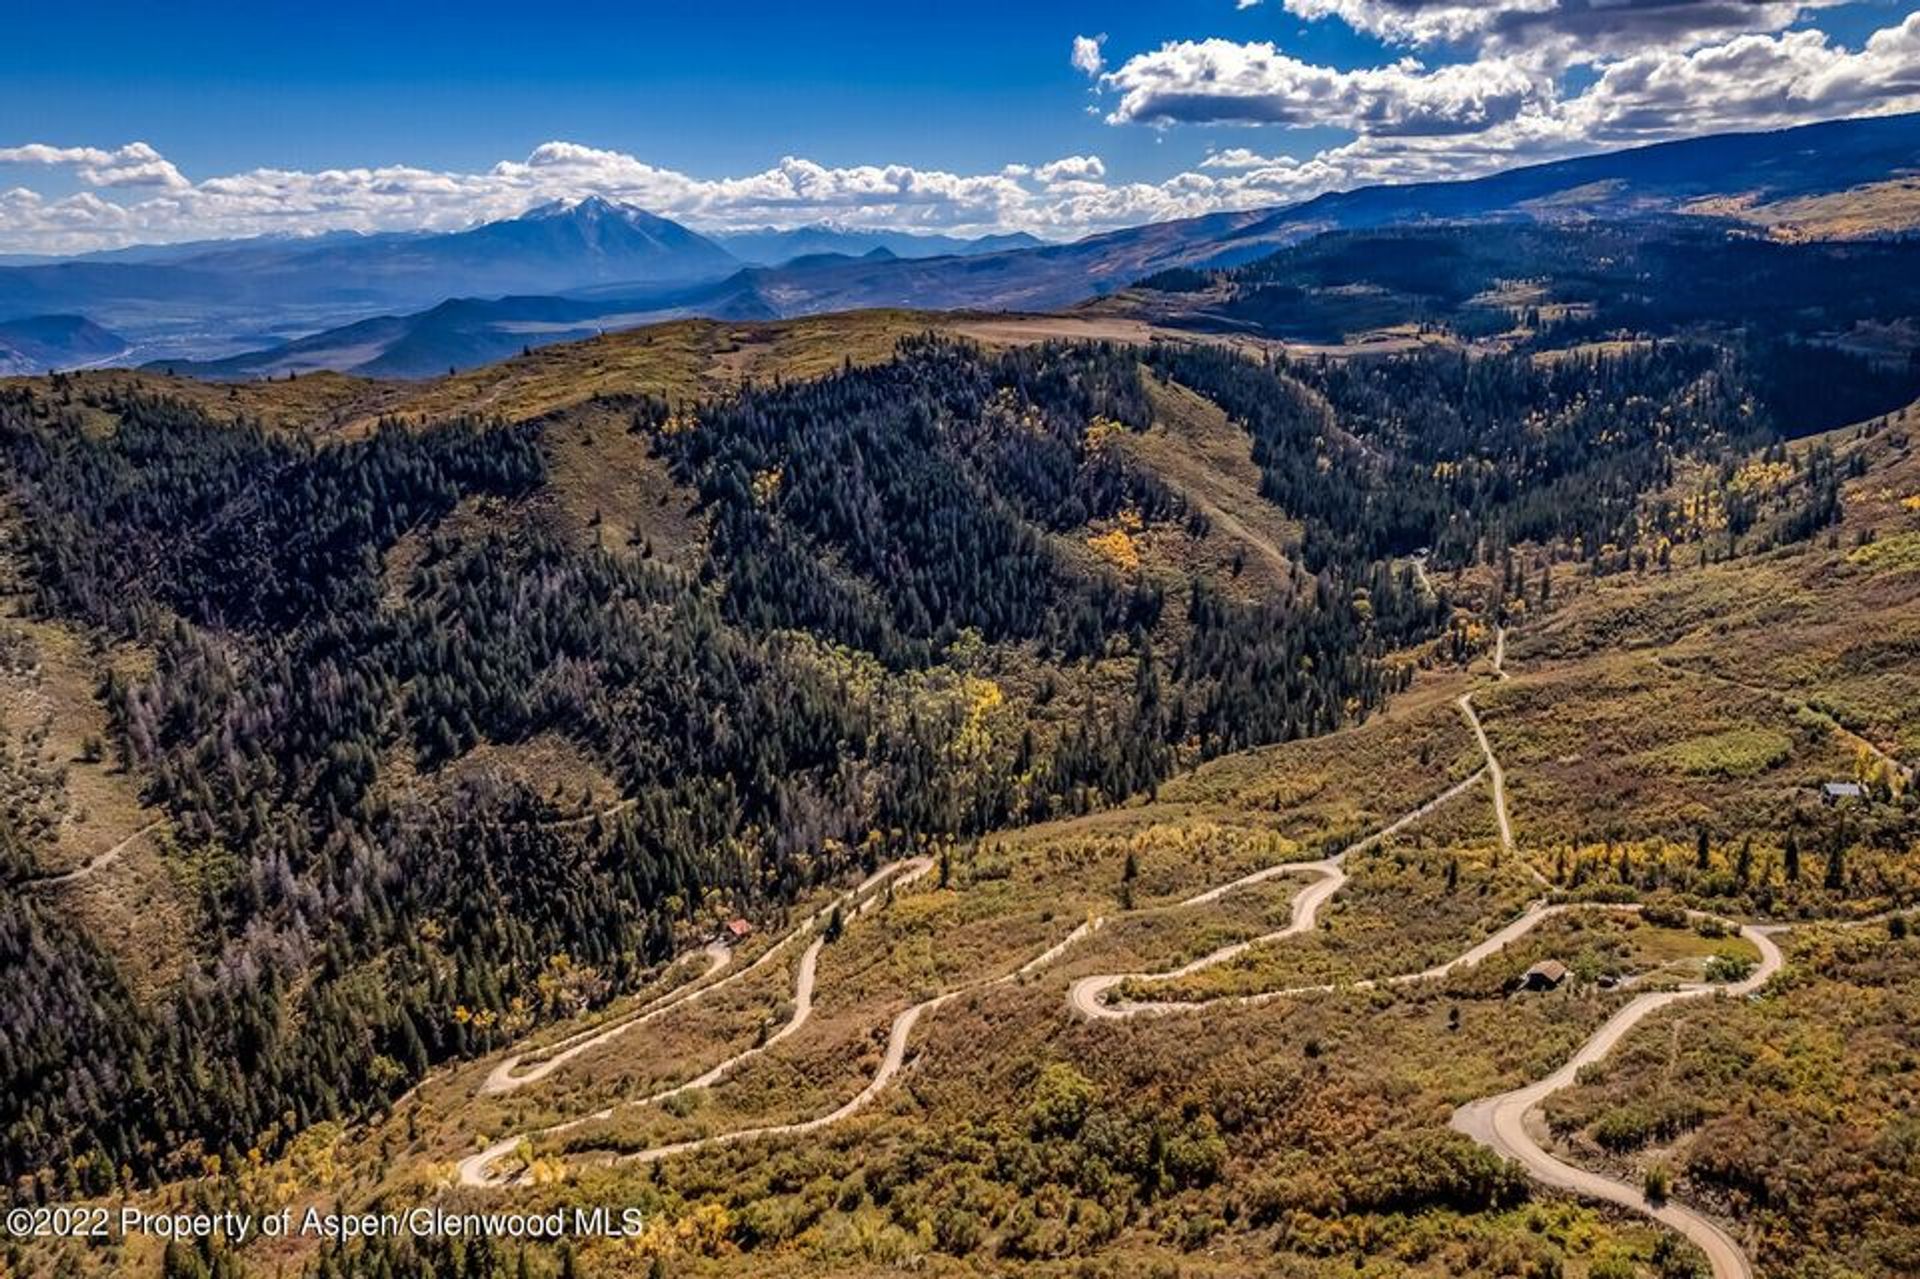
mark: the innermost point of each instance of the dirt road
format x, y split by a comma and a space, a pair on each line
98, 864
899, 1035
479, 1169
1088, 995
512, 1072
1497, 1122
1500, 1122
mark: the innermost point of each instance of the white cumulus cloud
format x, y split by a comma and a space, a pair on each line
1214, 81
1073, 168
1752, 82
133, 165
1242, 158
1087, 57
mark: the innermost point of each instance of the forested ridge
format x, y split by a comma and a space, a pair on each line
938, 475
1784, 311
892, 636
1462, 455
349, 934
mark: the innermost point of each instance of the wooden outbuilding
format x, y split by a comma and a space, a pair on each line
1548, 974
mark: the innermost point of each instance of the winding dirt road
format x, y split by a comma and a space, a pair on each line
512, 1072
480, 1170
509, 1074
1495, 773
1086, 995
898, 1037
1500, 1122
1089, 995
1497, 776
1497, 1122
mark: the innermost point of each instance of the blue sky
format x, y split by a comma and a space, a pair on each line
709, 89
693, 108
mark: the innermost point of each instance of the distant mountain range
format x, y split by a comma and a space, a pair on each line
771, 247
410, 305
1716, 177
559, 245
1734, 176
241, 288
214, 296
35, 343
183, 249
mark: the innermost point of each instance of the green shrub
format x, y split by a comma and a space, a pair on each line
1725, 969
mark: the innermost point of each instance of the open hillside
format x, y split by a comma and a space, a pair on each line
1142, 774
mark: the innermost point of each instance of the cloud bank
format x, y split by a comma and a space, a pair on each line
132, 194
1650, 70
1568, 31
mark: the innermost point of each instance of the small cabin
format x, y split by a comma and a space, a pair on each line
1839, 792
738, 930
1548, 974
